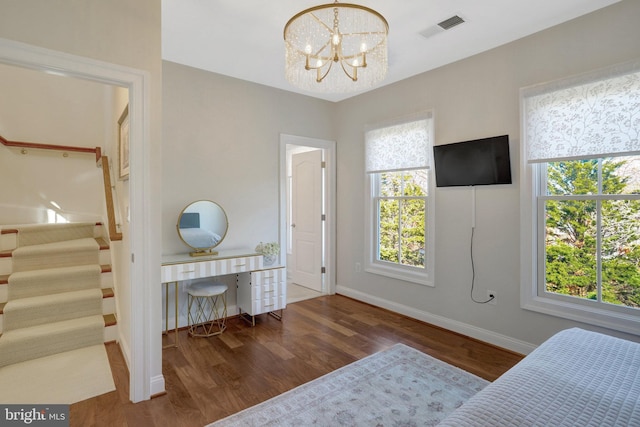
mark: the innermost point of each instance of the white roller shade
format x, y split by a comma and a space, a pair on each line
593, 115
400, 146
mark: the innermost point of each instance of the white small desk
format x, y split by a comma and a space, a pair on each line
176, 268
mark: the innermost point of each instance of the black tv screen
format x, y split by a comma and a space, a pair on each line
478, 162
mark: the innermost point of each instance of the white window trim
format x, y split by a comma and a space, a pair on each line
532, 293
388, 269
531, 271
406, 273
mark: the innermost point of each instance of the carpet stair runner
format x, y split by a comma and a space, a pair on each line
55, 295
59, 254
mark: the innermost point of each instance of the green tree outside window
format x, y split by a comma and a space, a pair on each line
401, 216
593, 243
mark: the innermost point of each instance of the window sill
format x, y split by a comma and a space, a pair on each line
609, 319
420, 278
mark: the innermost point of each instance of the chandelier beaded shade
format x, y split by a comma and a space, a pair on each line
336, 47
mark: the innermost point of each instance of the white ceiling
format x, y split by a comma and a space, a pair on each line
244, 38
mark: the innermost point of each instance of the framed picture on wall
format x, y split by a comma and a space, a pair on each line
123, 143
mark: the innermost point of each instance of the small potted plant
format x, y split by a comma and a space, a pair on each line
269, 251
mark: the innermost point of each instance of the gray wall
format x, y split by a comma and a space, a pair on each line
473, 98
222, 143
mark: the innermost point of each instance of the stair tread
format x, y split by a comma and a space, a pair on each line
85, 251
104, 268
85, 243
102, 243
65, 270
44, 309
46, 226
32, 342
51, 299
109, 320
32, 283
53, 328
42, 233
106, 319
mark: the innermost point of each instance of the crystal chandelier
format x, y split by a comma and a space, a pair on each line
336, 36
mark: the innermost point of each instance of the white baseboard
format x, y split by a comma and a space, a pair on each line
443, 322
124, 349
157, 385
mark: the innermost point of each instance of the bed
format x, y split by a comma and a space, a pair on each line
575, 378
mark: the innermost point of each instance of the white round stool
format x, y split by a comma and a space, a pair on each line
204, 320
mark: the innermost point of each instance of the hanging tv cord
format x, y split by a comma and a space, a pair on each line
473, 268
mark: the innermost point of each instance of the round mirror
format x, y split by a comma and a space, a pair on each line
202, 225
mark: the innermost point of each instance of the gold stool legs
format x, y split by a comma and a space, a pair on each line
204, 317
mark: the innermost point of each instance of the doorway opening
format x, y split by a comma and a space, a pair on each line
307, 215
137, 330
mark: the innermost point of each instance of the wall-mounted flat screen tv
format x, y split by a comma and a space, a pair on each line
477, 162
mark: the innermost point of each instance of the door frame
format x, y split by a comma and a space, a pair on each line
329, 246
145, 351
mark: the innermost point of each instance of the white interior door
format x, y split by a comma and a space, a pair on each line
306, 219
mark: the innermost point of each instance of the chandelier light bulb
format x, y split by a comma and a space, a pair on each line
307, 49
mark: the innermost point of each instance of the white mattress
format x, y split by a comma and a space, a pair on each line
575, 378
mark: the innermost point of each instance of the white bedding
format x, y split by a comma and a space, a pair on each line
575, 378
199, 237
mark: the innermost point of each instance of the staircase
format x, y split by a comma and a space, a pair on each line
56, 290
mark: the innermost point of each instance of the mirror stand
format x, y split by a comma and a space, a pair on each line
204, 253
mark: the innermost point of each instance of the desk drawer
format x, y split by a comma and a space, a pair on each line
264, 305
267, 290
267, 277
239, 265
218, 267
178, 272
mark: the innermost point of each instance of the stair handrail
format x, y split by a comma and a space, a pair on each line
101, 161
25, 145
114, 234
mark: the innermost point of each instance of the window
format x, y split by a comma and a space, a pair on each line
399, 200
581, 255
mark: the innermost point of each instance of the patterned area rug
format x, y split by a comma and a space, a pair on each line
399, 386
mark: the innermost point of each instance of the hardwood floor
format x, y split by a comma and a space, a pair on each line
209, 378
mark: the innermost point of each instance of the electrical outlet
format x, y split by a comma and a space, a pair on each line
358, 267
493, 301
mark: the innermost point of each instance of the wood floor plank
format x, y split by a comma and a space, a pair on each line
207, 379
311, 315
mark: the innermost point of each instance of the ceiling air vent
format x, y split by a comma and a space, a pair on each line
451, 22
